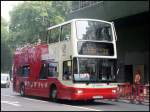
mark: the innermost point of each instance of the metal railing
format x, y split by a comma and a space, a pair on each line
134, 93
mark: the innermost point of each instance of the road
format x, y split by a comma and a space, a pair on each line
11, 101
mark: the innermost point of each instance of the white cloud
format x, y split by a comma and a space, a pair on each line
6, 6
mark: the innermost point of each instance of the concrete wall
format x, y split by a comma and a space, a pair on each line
133, 46
110, 10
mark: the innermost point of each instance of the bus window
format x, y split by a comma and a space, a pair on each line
65, 32
25, 71
94, 48
67, 70
54, 35
19, 71
93, 30
52, 69
44, 71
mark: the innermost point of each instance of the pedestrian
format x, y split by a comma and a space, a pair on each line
137, 82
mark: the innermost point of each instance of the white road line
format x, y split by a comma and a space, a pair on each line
34, 99
11, 103
46, 101
8, 95
84, 108
66, 105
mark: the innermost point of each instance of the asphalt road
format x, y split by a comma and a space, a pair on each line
11, 101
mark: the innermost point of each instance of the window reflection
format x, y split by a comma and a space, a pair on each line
93, 30
96, 70
95, 48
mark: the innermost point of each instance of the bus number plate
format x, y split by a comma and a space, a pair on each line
97, 97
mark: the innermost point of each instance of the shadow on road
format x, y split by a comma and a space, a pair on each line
82, 103
73, 103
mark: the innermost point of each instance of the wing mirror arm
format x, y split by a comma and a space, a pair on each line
114, 31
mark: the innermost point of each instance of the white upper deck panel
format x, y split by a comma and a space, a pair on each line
70, 21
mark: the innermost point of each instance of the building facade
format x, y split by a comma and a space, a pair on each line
132, 28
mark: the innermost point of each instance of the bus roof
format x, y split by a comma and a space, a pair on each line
76, 20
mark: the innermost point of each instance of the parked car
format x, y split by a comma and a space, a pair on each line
5, 80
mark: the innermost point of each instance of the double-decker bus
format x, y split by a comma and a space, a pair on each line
78, 62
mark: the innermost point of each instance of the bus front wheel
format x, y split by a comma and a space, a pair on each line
53, 94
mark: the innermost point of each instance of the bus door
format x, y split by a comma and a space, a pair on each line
42, 82
48, 69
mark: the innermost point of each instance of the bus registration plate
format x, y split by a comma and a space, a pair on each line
97, 97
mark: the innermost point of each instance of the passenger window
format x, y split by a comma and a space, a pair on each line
19, 71
65, 32
25, 71
54, 35
43, 71
52, 69
67, 70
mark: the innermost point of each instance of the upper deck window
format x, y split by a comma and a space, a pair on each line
54, 35
65, 32
93, 30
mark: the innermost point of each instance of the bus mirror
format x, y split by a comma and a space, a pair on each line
114, 31
117, 71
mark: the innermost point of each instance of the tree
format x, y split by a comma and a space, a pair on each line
30, 20
6, 53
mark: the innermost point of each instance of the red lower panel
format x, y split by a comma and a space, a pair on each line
89, 93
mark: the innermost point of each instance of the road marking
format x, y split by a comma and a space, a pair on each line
14, 103
11, 103
65, 104
34, 99
84, 108
8, 95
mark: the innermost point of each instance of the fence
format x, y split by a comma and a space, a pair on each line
134, 93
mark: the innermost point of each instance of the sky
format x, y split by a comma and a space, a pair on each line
6, 6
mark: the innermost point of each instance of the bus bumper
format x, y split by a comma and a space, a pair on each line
88, 94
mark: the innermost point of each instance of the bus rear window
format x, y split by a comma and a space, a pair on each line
95, 48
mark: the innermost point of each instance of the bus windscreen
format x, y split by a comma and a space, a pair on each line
96, 70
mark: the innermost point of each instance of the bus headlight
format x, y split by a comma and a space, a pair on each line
113, 91
79, 91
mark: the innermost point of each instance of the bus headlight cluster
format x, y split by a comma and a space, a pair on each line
79, 91
114, 91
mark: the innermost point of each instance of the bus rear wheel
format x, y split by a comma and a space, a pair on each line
53, 94
22, 90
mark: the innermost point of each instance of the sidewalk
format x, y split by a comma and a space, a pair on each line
146, 102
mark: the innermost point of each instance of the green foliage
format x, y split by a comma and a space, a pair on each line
30, 20
6, 53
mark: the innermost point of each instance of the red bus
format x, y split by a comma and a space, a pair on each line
77, 62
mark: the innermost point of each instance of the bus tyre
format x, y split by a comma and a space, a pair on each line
22, 90
53, 94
